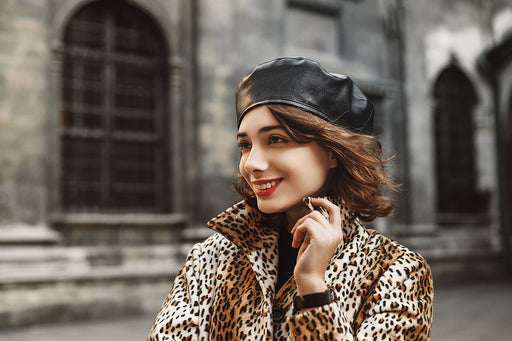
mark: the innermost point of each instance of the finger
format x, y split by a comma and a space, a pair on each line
298, 235
300, 221
308, 226
316, 216
313, 225
303, 246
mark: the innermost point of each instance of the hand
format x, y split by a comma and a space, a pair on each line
319, 237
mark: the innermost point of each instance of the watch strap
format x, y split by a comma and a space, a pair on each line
312, 300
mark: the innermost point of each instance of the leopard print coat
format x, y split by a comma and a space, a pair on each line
226, 288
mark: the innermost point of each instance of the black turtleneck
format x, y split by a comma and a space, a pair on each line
287, 257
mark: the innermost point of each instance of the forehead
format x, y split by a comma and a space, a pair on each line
257, 118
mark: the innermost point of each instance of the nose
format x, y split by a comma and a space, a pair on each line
255, 160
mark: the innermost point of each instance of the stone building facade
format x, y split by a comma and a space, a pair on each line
118, 133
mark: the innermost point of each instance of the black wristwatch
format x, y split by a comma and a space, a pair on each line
313, 300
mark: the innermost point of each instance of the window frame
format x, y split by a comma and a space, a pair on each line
109, 62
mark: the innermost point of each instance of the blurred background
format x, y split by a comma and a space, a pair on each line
117, 139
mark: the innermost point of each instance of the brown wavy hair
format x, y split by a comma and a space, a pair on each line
359, 178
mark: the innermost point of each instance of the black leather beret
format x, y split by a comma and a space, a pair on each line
303, 83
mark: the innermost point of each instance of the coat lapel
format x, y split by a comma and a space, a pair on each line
249, 230
255, 262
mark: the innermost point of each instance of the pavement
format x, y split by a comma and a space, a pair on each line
465, 312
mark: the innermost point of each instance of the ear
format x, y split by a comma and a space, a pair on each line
333, 162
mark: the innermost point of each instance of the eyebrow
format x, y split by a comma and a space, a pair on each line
262, 130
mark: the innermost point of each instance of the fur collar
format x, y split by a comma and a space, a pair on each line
250, 229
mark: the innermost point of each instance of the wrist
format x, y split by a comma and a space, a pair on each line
311, 286
301, 303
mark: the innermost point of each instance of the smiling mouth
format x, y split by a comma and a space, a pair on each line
266, 185
266, 188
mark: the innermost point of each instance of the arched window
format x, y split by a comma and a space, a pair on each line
455, 99
113, 118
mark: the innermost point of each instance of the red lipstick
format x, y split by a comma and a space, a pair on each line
263, 188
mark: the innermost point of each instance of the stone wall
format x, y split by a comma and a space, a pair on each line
94, 295
24, 58
436, 33
56, 266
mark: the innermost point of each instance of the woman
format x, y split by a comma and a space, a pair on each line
284, 267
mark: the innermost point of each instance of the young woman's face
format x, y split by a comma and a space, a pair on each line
280, 171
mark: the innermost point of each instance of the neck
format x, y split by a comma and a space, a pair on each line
293, 215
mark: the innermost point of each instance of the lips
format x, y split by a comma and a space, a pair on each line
266, 187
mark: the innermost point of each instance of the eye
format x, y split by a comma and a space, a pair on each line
276, 139
243, 145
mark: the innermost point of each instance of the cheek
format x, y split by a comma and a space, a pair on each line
241, 167
312, 168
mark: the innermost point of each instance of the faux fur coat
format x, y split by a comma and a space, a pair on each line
226, 288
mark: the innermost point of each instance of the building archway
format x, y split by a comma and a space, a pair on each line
455, 99
113, 153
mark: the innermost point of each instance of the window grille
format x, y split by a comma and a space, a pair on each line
455, 99
113, 141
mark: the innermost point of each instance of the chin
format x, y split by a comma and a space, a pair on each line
278, 205
269, 208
